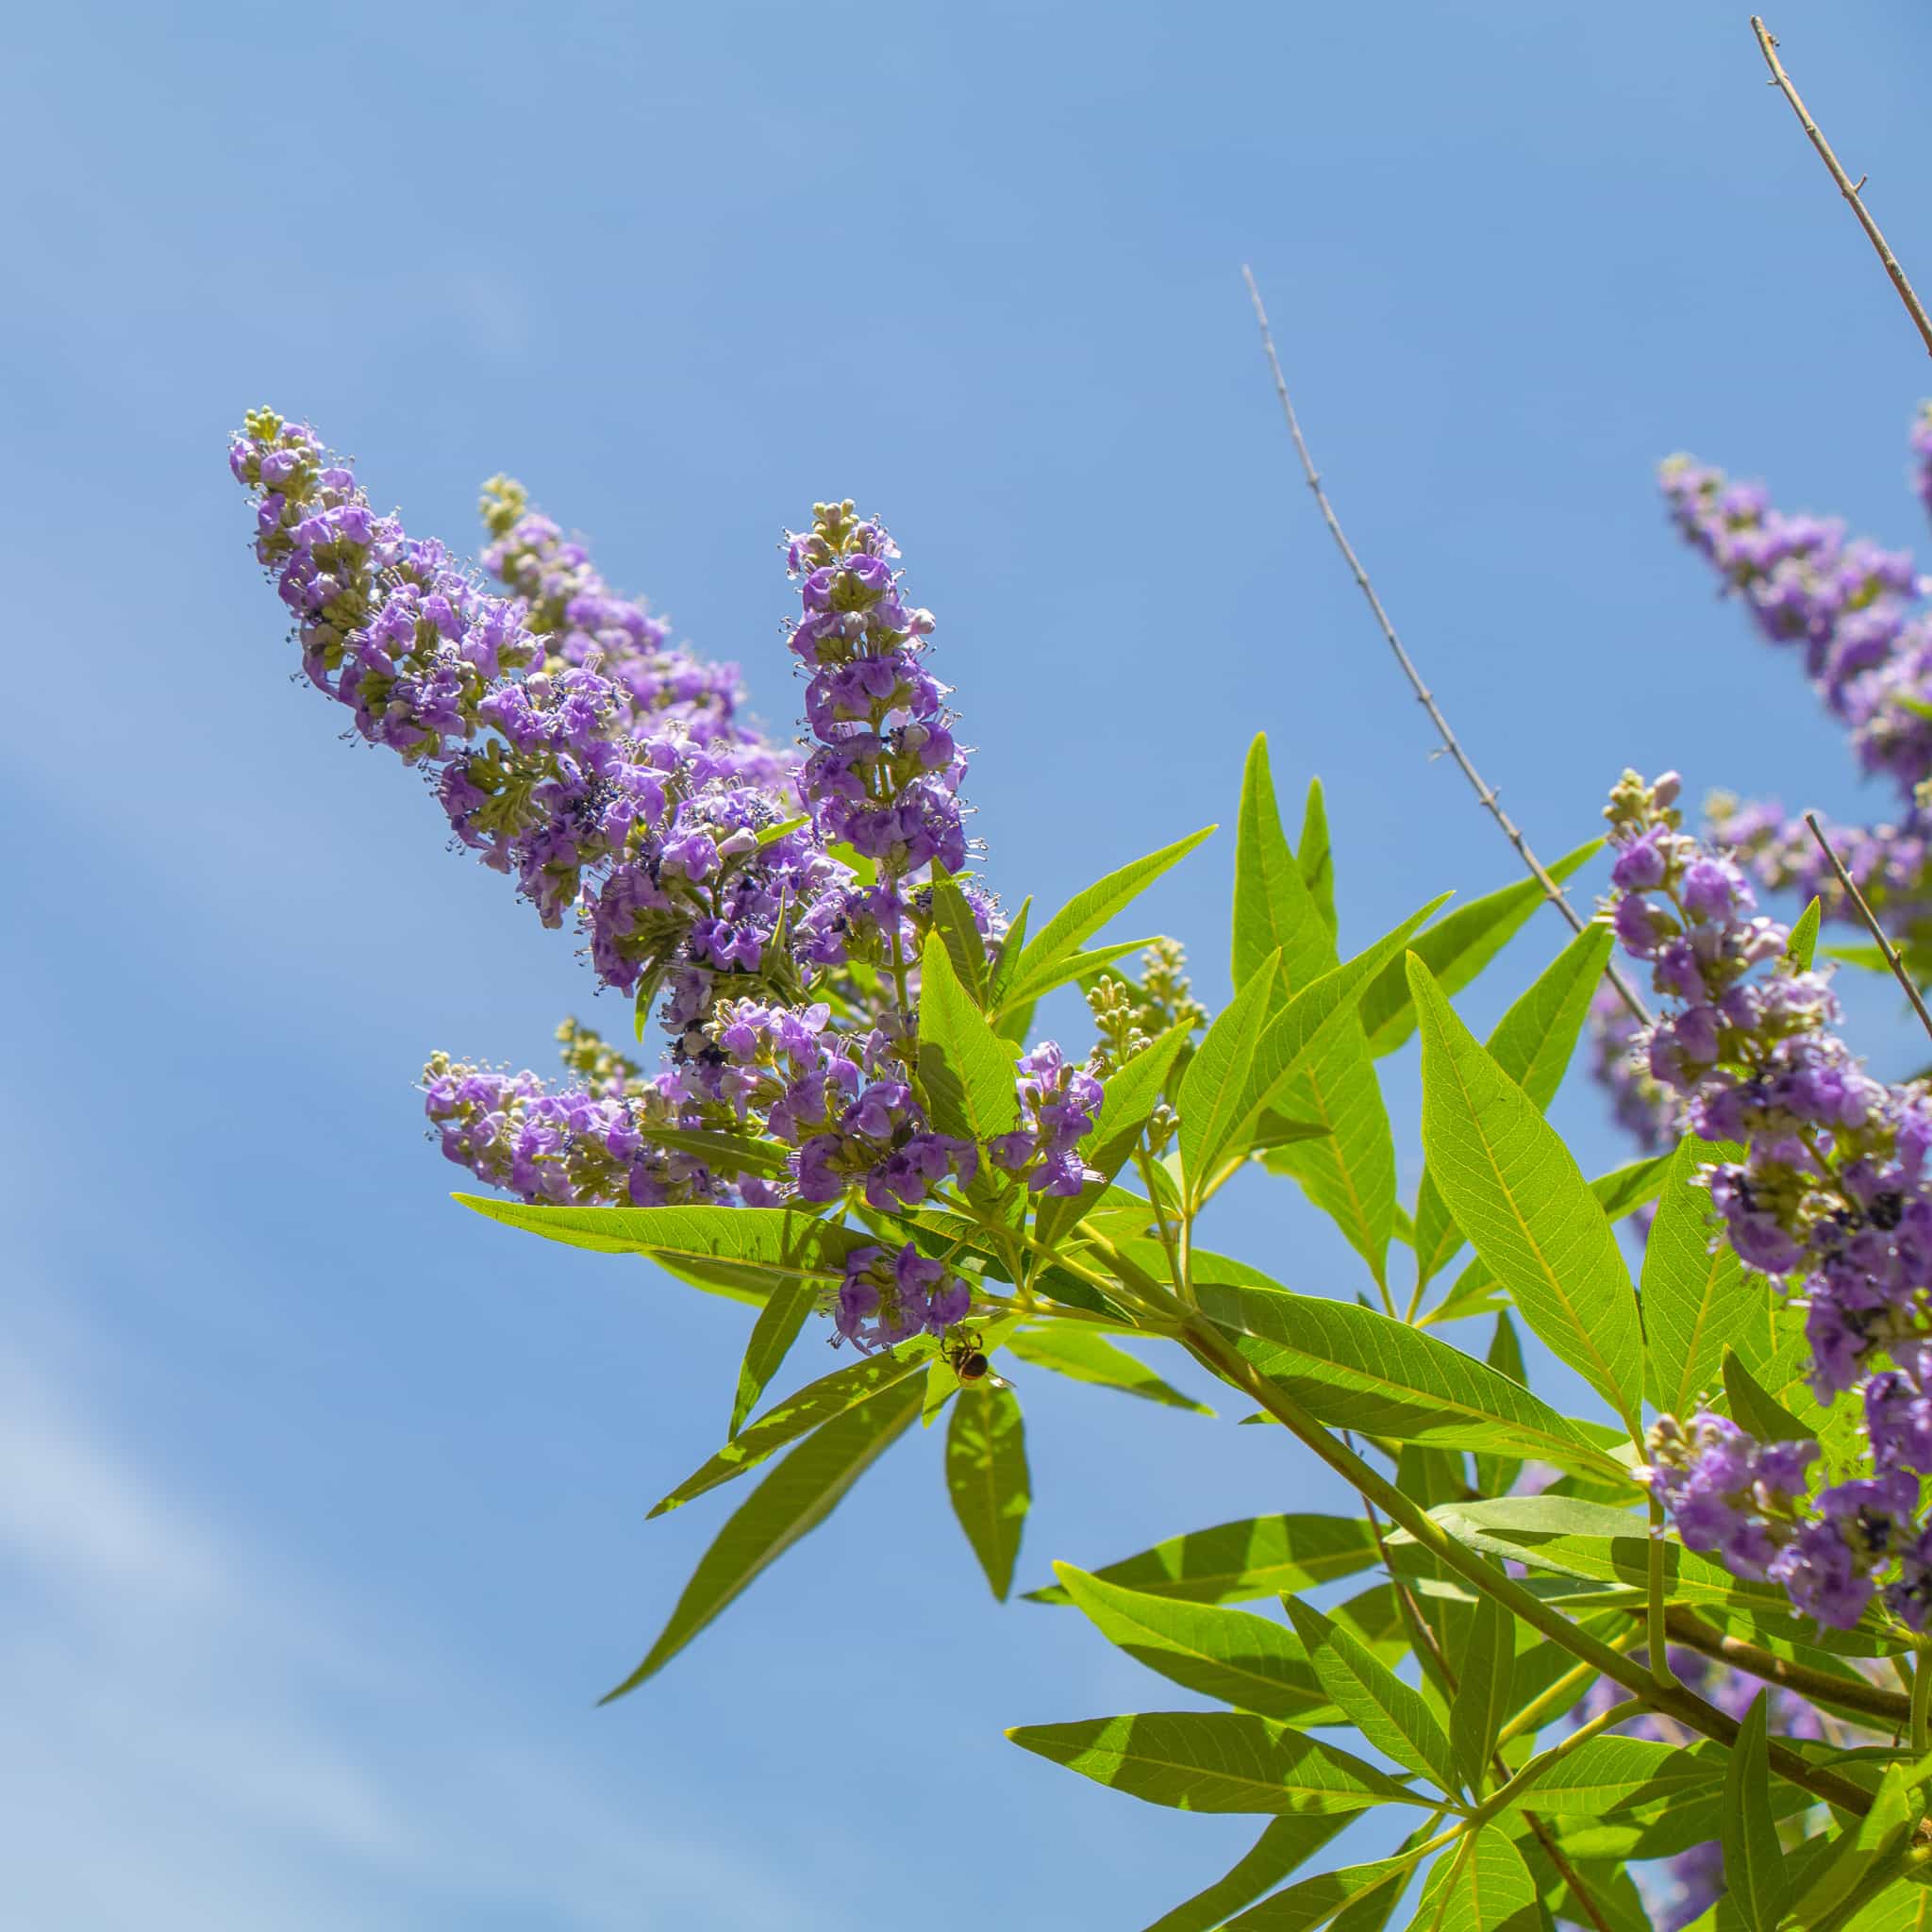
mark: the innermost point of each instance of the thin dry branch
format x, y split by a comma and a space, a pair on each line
1767, 45
1872, 926
1485, 793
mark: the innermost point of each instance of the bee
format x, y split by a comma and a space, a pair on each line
965, 1353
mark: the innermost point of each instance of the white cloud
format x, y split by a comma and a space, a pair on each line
189, 1740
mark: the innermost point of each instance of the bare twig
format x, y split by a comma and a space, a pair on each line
1485, 793
1872, 925
1767, 45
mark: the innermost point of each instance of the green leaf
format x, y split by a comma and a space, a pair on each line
1494, 1474
1429, 1476
967, 1069
1609, 1887
771, 1335
1755, 1412
799, 1414
1085, 913
1867, 958
796, 1497
1533, 1041
1697, 1295
986, 1473
725, 1153
1014, 1024
1457, 950
1354, 1369
1213, 1761
1597, 1544
1082, 1356
1370, 1912
1350, 1171
1240, 1659
1624, 1190
736, 1281
1257, 1557
1389, 1714
648, 983
1532, 1044
866, 870
1314, 857
1274, 910
1479, 1884
1859, 1849
1606, 1774
1621, 1192
1754, 1859
783, 829
1483, 1702
1213, 1087
1516, 1191
1312, 1902
1006, 960
1284, 1844
1803, 942
1033, 985
953, 924
1306, 1036
1903, 1906
1663, 1829
781, 1239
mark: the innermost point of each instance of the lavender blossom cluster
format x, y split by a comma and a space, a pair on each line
1854, 611
773, 904
1832, 1199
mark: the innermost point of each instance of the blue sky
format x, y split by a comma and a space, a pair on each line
323, 1520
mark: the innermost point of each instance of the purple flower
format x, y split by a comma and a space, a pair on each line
1832, 1196
888, 1298
885, 773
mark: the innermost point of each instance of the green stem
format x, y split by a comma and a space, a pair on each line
1139, 1289
1921, 1702
1559, 1696
1144, 1161
1415, 1299
898, 960
1213, 1351
1848, 1693
1659, 1660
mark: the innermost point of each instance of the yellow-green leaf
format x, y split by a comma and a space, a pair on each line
800, 1413
987, 1477
1257, 1557
796, 1498
1697, 1295
1515, 1190
1215, 1761
1078, 1352
967, 1068
1248, 1661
